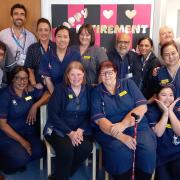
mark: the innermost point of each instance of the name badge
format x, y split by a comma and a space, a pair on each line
122, 93
168, 126
164, 81
87, 57
28, 98
70, 96
129, 75
21, 59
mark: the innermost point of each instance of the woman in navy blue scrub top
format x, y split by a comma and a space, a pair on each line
18, 142
170, 71
164, 118
38, 49
143, 68
54, 63
91, 55
113, 102
68, 127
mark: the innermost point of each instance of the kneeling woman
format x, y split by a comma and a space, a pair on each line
164, 118
113, 102
68, 128
18, 141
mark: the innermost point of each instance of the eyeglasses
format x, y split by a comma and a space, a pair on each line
123, 42
19, 79
85, 35
109, 73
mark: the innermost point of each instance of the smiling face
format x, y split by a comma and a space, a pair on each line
108, 76
123, 44
165, 35
166, 96
145, 47
20, 81
43, 31
170, 56
62, 39
18, 17
76, 77
84, 37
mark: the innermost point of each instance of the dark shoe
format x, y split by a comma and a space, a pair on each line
52, 177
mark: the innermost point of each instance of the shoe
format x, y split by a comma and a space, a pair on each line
52, 177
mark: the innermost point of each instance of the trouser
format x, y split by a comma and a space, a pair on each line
168, 171
139, 175
68, 157
13, 155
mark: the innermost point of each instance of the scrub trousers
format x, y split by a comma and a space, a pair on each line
13, 156
68, 157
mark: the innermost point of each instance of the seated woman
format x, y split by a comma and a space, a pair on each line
54, 63
113, 102
164, 118
18, 141
3, 80
68, 127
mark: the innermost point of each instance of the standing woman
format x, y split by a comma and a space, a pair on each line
54, 63
68, 126
170, 72
113, 102
164, 118
91, 55
36, 50
143, 69
19, 143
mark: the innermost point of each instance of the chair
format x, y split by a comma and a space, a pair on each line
50, 151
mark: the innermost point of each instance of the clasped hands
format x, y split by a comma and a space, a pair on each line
76, 136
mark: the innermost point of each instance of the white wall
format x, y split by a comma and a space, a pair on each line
171, 14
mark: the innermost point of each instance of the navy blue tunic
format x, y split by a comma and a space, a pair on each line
163, 77
51, 66
166, 149
15, 109
33, 57
115, 108
66, 112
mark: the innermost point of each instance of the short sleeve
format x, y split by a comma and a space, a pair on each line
44, 67
4, 101
96, 106
137, 95
37, 93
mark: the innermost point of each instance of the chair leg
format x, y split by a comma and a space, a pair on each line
106, 175
41, 164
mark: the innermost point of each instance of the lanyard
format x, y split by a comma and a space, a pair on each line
16, 40
43, 51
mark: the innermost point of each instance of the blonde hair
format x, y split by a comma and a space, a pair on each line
74, 65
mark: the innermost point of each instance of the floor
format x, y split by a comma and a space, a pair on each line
34, 173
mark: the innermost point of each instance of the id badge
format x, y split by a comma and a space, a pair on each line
21, 59
129, 75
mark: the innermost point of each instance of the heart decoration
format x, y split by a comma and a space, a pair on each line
130, 14
108, 13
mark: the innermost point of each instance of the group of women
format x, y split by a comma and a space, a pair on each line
88, 101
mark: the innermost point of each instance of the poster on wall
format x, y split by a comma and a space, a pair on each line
108, 20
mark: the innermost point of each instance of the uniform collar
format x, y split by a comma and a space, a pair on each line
104, 89
54, 54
